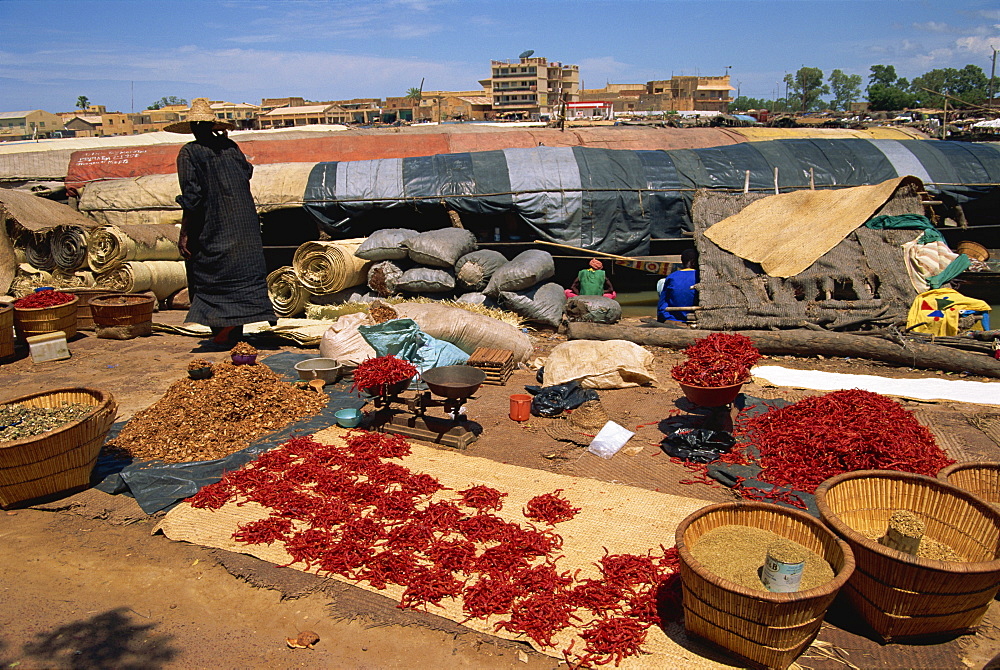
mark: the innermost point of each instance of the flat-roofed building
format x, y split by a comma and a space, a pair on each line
305, 115
27, 125
530, 87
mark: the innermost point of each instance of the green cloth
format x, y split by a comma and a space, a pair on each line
955, 268
907, 221
591, 282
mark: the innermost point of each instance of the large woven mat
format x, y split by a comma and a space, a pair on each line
623, 519
786, 233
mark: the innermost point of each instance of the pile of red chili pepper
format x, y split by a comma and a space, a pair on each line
818, 437
348, 510
721, 359
550, 508
378, 373
43, 299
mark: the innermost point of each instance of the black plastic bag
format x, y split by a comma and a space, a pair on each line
698, 444
554, 400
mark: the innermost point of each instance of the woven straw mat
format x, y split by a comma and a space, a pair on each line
786, 233
624, 519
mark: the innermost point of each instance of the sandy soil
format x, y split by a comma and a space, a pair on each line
83, 583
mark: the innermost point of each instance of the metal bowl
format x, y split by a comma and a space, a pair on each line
454, 381
326, 369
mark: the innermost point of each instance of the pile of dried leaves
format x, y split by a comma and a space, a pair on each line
199, 420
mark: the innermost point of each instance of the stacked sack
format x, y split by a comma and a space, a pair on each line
446, 264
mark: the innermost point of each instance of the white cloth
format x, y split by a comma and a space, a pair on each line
928, 388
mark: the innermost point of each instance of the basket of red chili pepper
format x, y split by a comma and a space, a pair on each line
716, 368
383, 376
45, 312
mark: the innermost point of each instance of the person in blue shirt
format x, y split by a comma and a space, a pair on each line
678, 289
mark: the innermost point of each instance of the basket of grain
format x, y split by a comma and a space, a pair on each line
122, 316
31, 320
84, 317
61, 457
980, 478
6, 331
723, 546
948, 585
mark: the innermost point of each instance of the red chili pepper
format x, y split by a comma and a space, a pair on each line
483, 498
721, 359
43, 299
376, 374
550, 508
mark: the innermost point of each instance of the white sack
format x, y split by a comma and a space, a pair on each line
613, 364
342, 341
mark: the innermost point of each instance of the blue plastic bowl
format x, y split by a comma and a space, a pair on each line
348, 418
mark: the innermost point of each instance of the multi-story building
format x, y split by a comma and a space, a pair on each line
27, 125
677, 94
304, 115
530, 87
452, 106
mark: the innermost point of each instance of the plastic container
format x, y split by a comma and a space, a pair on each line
244, 359
48, 347
348, 418
326, 369
520, 407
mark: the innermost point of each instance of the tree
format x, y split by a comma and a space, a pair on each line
743, 103
806, 86
82, 102
846, 88
414, 94
967, 85
886, 91
167, 101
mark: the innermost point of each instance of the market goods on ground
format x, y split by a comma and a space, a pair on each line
200, 420
18, 421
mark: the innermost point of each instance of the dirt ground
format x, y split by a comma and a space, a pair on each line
86, 585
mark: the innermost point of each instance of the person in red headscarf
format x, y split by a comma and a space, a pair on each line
592, 281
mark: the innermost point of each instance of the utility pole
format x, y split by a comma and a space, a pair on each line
993, 72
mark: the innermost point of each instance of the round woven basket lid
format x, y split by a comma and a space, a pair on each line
974, 250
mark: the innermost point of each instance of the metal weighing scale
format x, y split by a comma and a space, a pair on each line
454, 384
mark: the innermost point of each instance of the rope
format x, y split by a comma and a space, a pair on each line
328, 267
288, 296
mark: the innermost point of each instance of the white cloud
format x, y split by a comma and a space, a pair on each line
933, 27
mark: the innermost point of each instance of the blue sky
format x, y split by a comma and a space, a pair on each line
126, 54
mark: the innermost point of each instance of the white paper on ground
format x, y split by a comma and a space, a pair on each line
928, 388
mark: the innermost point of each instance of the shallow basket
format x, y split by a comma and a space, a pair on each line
901, 595
980, 478
30, 321
6, 331
122, 309
767, 629
59, 459
84, 317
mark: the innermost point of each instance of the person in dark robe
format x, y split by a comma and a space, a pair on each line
592, 281
220, 237
678, 290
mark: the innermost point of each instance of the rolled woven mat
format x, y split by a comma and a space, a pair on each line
26, 282
69, 247
163, 278
110, 246
38, 250
288, 296
328, 267
80, 279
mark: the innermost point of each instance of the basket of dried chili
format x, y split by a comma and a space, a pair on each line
768, 629
45, 312
384, 375
907, 596
980, 478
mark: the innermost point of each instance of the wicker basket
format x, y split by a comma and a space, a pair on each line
6, 331
30, 321
767, 629
84, 317
901, 595
123, 316
59, 459
980, 478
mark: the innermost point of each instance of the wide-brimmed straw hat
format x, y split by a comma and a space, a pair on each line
200, 110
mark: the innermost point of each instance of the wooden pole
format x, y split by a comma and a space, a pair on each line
746, 182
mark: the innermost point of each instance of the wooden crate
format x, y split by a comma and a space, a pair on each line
498, 364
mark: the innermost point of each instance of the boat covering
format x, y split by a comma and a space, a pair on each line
614, 201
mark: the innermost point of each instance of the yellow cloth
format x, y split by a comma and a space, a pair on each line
935, 312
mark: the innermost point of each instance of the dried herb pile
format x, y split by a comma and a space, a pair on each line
349, 510
803, 444
199, 420
721, 359
20, 421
